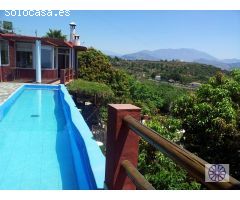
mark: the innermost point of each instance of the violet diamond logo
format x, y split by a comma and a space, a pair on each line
217, 172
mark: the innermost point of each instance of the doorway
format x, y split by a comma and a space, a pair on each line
63, 60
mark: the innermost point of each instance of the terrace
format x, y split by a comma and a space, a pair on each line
87, 170
6, 89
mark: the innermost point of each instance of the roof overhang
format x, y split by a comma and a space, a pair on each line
80, 48
20, 38
46, 41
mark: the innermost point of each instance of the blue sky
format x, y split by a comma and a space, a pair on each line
215, 32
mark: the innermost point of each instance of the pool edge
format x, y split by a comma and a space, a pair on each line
94, 153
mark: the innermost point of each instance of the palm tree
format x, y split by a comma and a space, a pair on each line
57, 34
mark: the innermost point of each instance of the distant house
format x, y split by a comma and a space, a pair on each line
36, 58
158, 78
195, 84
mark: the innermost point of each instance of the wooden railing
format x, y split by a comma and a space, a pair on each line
66, 75
123, 134
136, 177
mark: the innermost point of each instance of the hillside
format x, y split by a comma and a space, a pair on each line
183, 72
183, 54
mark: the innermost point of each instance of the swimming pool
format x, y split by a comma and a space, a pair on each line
45, 142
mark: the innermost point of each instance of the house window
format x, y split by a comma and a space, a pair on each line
24, 55
4, 48
47, 57
24, 59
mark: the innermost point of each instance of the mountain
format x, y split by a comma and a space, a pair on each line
230, 61
141, 55
234, 65
183, 54
216, 63
111, 53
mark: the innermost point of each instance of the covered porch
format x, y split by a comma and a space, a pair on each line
33, 59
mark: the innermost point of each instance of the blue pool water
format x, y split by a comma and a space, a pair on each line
35, 150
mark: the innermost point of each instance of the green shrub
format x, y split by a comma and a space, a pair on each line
211, 119
158, 169
94, 66
90, 88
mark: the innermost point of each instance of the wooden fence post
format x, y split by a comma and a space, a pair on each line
62, 76
122, 144
68, 74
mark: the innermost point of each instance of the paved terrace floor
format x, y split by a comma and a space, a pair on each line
6, 89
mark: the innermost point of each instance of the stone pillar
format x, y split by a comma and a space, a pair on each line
38, 61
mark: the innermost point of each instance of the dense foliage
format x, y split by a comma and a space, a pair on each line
158, 169
154, 98
99, 90
94, 66
211, 119
151, 97
183, 72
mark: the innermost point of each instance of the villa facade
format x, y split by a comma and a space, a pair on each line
36, 58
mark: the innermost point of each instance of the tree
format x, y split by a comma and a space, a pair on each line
56, 34
211, 119
94, 66
158, 169
183, 72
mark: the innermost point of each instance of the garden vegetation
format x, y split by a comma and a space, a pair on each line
206, 121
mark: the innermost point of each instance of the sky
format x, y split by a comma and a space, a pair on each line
214, 32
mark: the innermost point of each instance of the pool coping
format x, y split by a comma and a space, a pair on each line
2, 102
19, 88
96, 158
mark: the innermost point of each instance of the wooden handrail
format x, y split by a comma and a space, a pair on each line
136, 177
193, 164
